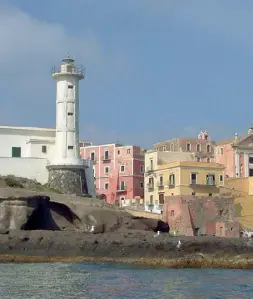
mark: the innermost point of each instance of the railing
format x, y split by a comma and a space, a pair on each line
160, 185
122, 189
106, 158
71, 69
149, 169
150, 187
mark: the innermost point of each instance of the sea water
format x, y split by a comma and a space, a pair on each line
104, 280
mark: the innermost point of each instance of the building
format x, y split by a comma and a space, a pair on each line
51, 155
118, 172
202, 146
236, 155
192, 216
179, 177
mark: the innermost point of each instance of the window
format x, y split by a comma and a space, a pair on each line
122, 198
151, 200
171, 179
210, 179
122, 168
106, 155
208, 160
106, 186
221, 151
150, 182
70, 86
118, 152
208, 148
122, 185
44, 149
106, 170
220, 212
198, 148
151, 164
221, 178
16, 152
168, 147
128, 151
172, 213
250, 160
172, 147
70, 147
188, 147
198, 159
157, 148
141, 184
142, 168
70, 113
161, 199
164, 148
161, 181
193, 178
92, 156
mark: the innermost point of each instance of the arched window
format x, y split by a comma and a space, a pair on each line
198, 148
188, 147
164, 148
208, 148
168, 147
161, 198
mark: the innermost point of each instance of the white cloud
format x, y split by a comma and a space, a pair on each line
29, 48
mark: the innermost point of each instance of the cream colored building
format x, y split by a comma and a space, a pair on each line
168, 174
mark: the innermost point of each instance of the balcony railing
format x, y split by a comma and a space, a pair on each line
121, 189
149, 169
195, 185
150, 187
160, 186
171, 185
106, 159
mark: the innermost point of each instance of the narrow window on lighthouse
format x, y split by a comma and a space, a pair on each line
70, 86
70, 147
70, 113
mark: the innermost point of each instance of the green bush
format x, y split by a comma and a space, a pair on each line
11, 181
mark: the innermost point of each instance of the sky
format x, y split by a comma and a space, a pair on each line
155, 69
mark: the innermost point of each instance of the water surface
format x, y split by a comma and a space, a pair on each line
103, 280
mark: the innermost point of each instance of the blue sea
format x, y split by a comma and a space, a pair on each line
104, 280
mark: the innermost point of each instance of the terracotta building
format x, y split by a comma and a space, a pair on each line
236, 155
202, 146
191, 216
118, 171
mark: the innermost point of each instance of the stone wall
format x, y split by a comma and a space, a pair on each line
68, 180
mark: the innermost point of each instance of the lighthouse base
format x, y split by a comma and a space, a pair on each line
69, 179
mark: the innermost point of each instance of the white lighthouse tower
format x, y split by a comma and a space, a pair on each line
67, 169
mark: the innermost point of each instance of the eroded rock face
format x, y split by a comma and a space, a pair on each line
39, 213
17, 213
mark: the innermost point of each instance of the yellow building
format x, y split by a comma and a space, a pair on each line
187, 177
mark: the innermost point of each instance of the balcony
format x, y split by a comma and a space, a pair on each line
149, 170
122, 189
195, 185
171, 185
160, 186
150, 187
106, 159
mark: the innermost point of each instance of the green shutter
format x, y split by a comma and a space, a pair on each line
16, 152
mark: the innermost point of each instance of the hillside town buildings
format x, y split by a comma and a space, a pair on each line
202, 146
118, 172
236, 155
165, 176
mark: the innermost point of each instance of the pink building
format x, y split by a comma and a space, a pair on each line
237, 155
118, 171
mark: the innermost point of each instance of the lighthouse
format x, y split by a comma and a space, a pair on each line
66, 168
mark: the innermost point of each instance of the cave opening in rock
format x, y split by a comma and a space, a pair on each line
41, 219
